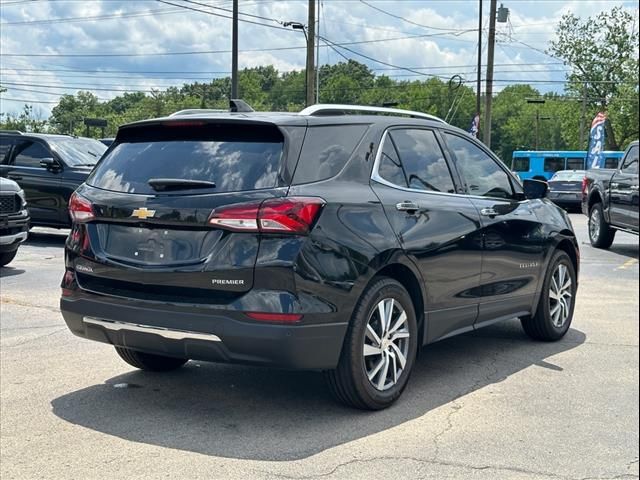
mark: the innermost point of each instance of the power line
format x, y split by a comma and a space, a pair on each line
142, 13
411, 21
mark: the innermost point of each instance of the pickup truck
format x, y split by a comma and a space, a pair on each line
610, 199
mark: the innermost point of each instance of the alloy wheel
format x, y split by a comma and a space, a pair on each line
386, 344
560, 295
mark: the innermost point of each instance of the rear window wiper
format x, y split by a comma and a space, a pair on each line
160, 184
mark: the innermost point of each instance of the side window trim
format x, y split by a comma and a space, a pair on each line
375, 176
517, 191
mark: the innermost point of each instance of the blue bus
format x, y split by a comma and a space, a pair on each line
541, 165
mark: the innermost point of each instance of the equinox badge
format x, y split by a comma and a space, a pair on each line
143, 213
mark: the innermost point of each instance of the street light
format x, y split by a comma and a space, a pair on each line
301, 27
538, 101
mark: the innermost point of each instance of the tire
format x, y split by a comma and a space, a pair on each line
349, 382
549, 324
148, 361
601, 235
7, 257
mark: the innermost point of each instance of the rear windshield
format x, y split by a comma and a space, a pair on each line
566, 176
234, 158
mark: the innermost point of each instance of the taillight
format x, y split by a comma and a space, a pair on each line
585, 184
80, 208
278, 215
67, 283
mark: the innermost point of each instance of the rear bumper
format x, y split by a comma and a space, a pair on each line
215, 336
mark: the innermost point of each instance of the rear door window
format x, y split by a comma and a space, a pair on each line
423, 163
234, 157
5, 146
326, 151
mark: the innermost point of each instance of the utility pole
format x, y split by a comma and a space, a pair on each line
583, 112
311, 36
489, 89
538, 101
234, 51
479, 80
318, 55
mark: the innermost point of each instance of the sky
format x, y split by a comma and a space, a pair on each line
55, 47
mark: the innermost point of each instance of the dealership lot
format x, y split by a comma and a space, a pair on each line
491, 404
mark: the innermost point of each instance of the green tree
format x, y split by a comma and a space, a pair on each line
602, 52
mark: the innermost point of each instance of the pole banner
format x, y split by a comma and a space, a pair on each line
595, 157
474, 129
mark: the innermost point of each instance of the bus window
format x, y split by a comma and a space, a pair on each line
553, 164
520, 164
575, 163
611, 162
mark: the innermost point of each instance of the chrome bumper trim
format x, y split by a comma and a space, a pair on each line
163, 332
9, 239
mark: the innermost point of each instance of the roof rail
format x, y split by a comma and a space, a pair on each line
339, 109
196, 111
17, 132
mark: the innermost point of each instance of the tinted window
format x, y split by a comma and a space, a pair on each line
611, 162
575, 163
481, 173
29, 154
630, 164
390, 167
326, 150
422, 160
234, 158
520, 164
5, 146
553, 164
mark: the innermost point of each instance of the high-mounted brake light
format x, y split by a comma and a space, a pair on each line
278, 215
80, 209
185, 123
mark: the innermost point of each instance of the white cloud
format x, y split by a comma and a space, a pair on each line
342, 21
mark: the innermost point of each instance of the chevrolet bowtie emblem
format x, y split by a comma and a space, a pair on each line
143, 213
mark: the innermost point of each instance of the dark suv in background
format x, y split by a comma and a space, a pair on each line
48, 168
336, 239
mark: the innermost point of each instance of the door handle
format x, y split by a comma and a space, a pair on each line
634, 187
488, 212
15, 177
615, 185
407, 206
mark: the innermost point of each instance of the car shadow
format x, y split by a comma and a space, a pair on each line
47, 239
263, 414
626, 250
10, 271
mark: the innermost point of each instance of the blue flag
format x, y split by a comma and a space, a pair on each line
595, 156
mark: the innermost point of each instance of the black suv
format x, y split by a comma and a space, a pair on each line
48, 168
336, 239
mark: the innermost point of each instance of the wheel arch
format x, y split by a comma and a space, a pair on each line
405, 273
565, 241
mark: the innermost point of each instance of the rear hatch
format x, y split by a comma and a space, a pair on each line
151, 197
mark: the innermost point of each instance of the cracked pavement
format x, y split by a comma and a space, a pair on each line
486, 405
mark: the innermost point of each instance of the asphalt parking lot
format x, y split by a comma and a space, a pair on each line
486, 405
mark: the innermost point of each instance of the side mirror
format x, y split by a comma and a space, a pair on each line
50, 164
534, 189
